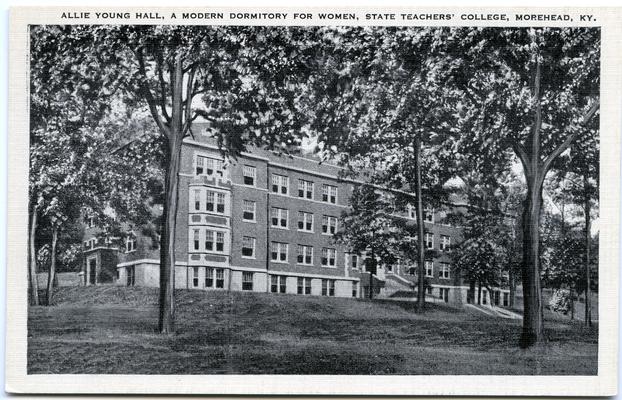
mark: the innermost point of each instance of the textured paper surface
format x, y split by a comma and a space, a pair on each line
605, 383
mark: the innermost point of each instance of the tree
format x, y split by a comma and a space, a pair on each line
371, 226
390, 113
578, 179
247, 80
68, 99
480, 257
532, 91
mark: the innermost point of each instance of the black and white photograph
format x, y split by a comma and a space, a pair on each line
313, 199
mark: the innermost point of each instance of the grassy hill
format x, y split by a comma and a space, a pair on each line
113, 330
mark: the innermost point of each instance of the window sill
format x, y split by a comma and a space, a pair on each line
304, 265
279, 262
304, 231
248, 257
279, 227
250, 221
328, 234
223, 214
329, 266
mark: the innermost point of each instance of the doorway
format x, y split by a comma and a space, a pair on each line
92, 271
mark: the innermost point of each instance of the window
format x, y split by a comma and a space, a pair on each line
428, 215
209, 204
304, 286
443, 294
305, 189
90, 244
278, 284
279, 217
328, 287
208, 166
444, 271
130, 243
429, 240
220, 278
329, 225
247, 281
278, 251
195, 276
429, 269
305, 221
280, 184
506, 299
282, 284
274, 283
430, 290
214, 202
248, 247
445, 243
200, 166
209, 277
411, 212
197, 200
156, 241
484, 295
248, 210
305, 254
131, 276
328, 257
354, 261
216, 237
329, 193
220, 241
195, 235
220, 203
300, 286
90, 221
250, 174
354, 289
209, 240
307, 285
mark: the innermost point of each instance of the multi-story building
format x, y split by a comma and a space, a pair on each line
265, 222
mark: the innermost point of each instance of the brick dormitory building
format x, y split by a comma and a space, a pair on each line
265, 223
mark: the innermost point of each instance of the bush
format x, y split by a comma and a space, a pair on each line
560, 301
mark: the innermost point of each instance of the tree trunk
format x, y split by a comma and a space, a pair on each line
420, 227
472, 291
479, 293
571, 304
167, 254
588, 306
32, 259
372, 266
52, 272
512, 285
533, 329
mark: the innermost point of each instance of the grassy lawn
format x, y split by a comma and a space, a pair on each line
113, 330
